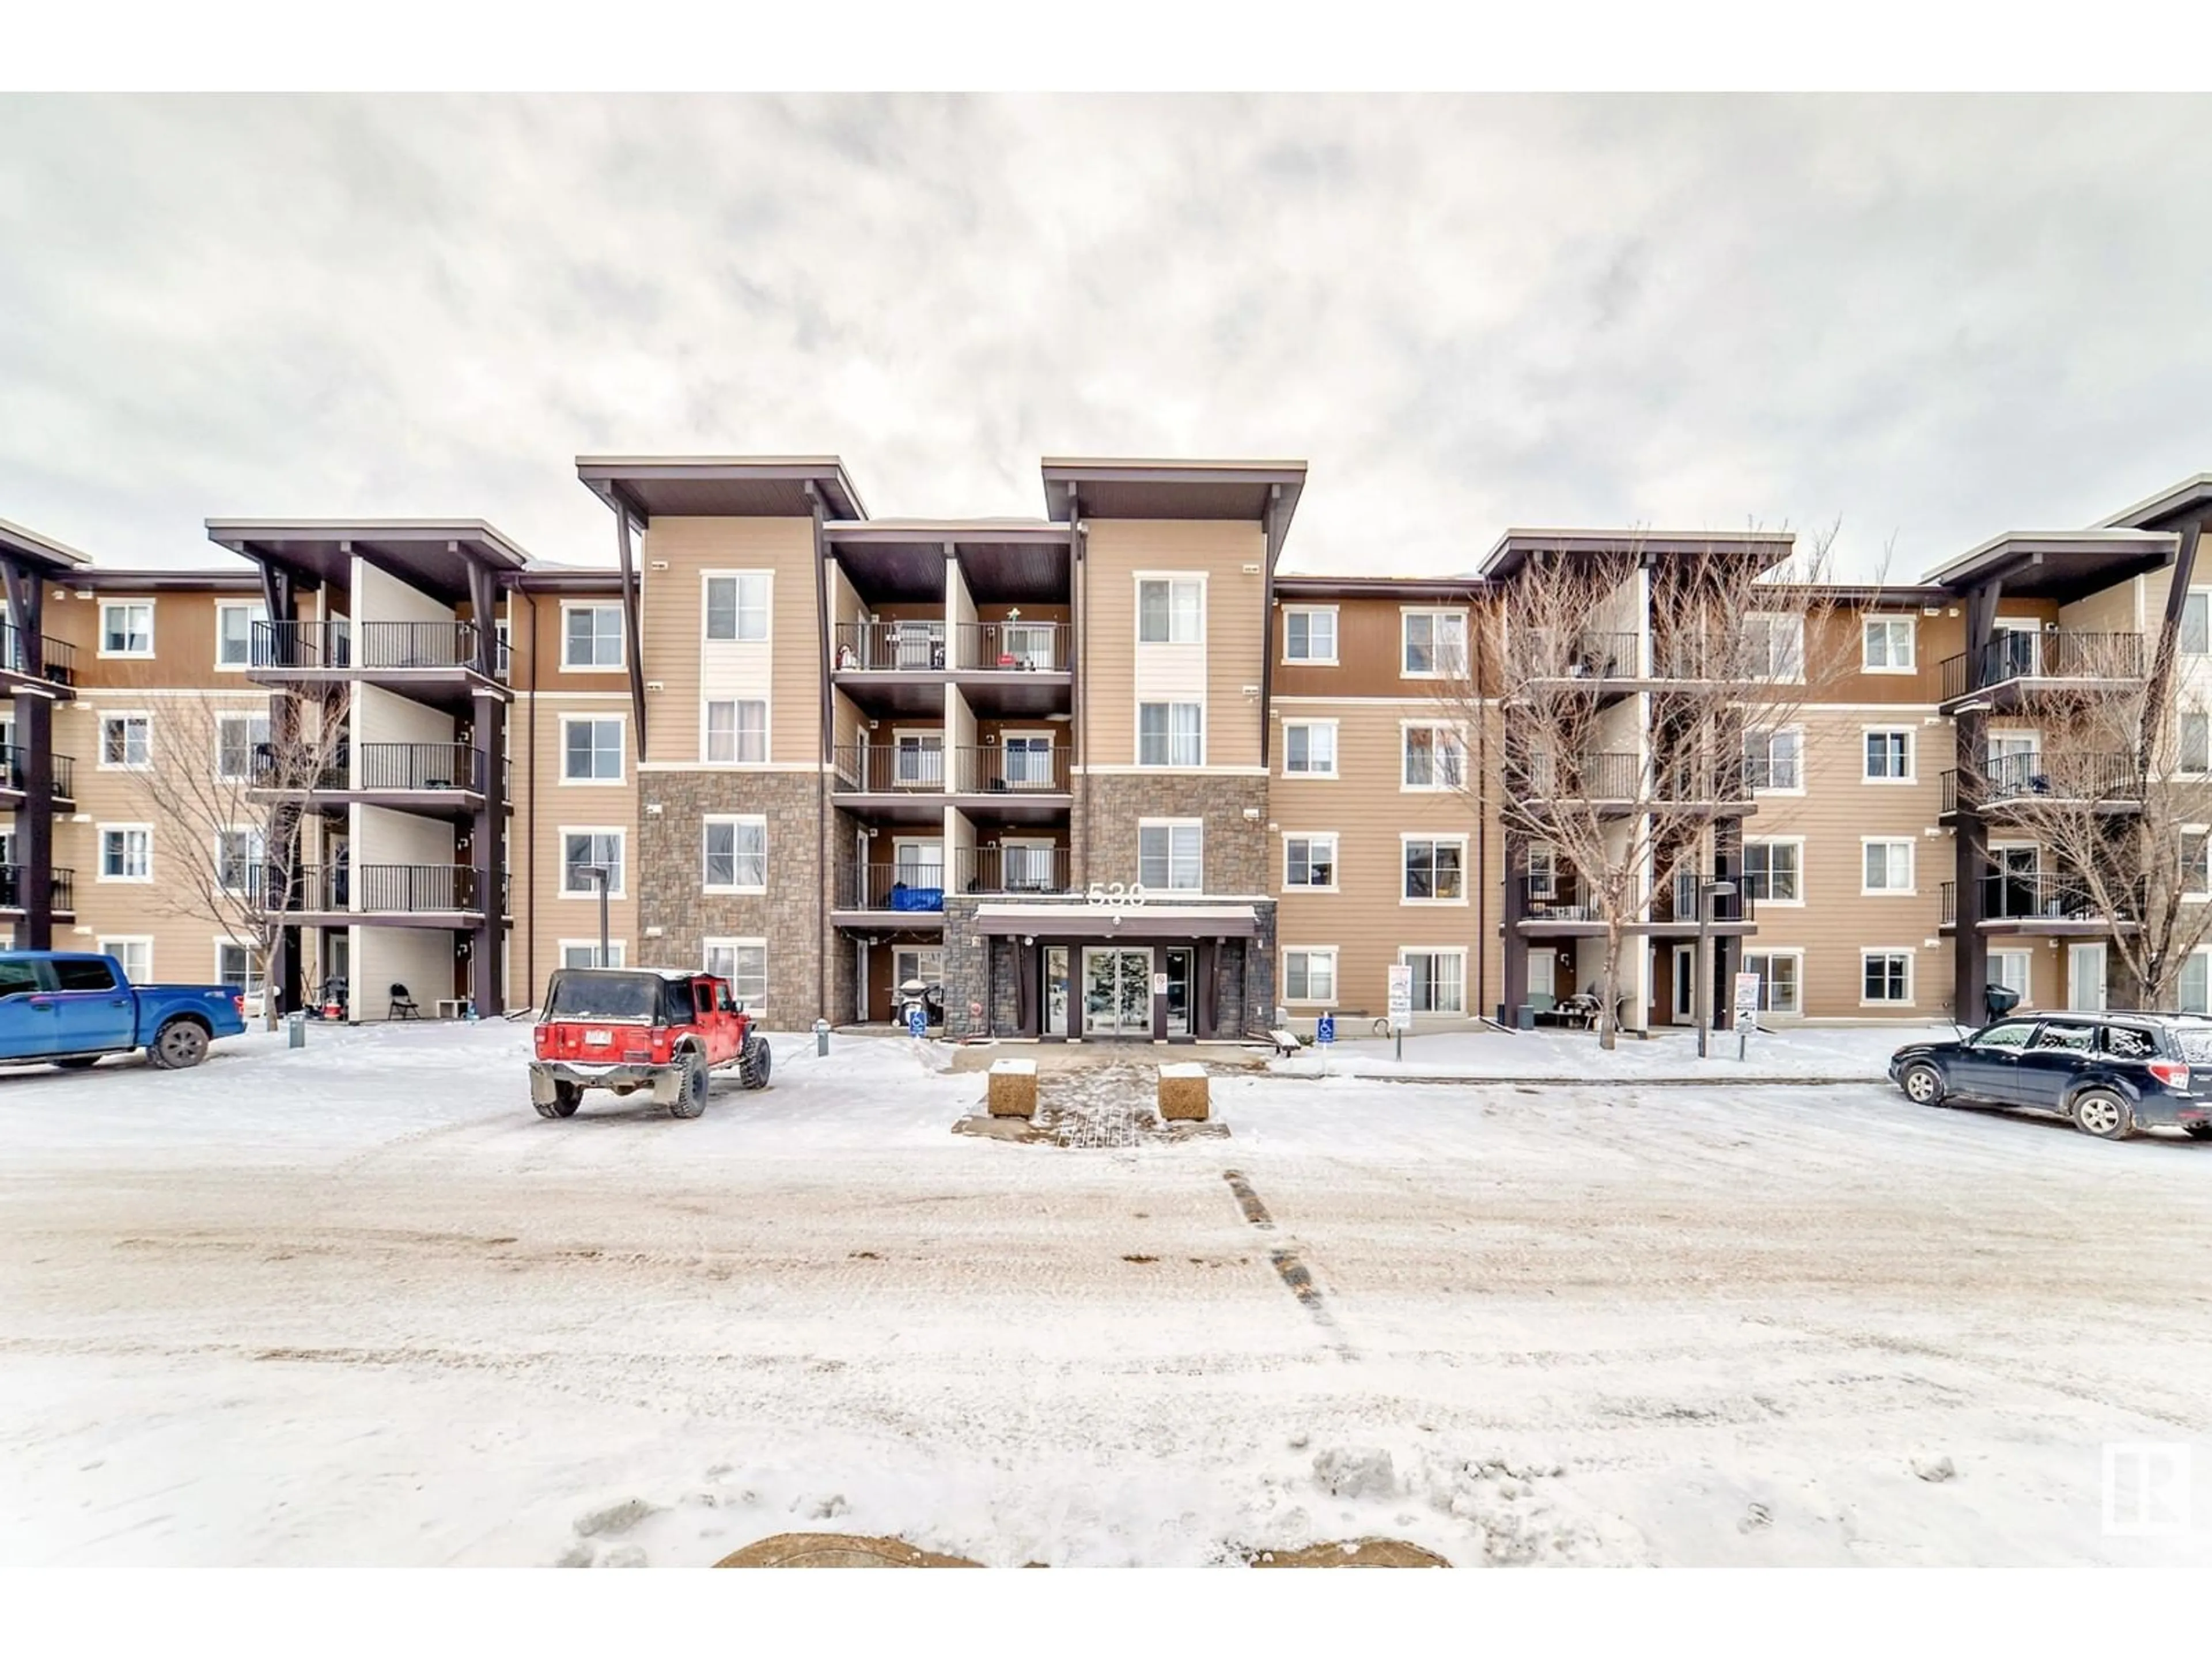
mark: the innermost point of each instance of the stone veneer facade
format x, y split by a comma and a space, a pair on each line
1110, 805
789, 916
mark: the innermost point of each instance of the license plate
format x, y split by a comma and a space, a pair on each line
598, 1039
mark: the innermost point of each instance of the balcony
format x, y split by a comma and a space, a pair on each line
14, 878
912, 891
15, 776
2034, 901
433, 662
1601, 666
1562, 904
894, 783
442, 779
58, 658
2018, 664
395, 895
2012, 784
1014, 870
1618, 783
1009, 768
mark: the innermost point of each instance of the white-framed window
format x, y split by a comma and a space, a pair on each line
126, 627
237, 737
2196, 638
1435, 870
2196, 988
2196, 861
233, 633
1887, 864
591, 638
580, 849
1170, 854
1885, 978
1310, 862
1170, 734
1775, 647
1310, 974
1308, 748
2194, 751
1439, 979
239, 856
126, 743
2015, 971
744, 962
736, 850
584, 953
1774, 760
1025, 760
1886, 645
1781, 980
1310, 634
591, 748
737, 732
1774, 869
1888, 755
134, 951
126, 852
737, 604
1170, 610
1433, 757
236, 966
1432, 643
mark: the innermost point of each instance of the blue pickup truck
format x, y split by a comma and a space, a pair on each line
70, 1008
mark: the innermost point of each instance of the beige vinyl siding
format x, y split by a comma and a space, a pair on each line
673, 630
1365, 919
535, 869
1235, 628
1834, 815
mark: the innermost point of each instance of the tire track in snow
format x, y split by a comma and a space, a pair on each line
1284, 1258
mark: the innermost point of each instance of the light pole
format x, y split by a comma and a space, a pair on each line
597, 875
1707, 892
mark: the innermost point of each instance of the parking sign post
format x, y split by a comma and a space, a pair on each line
1325, 1033
1747, 1008
1401, 1003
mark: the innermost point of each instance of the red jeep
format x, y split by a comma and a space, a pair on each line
627, 1029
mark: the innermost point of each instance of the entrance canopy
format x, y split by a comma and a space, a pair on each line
1095, 921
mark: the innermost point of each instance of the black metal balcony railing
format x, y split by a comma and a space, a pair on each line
15, 767
421, 766
272, 770
1009, 768
1708, 654
368, 645
1565, 896
2017, 896
1677, 901
911, 647
888, 769
2055, 654
1582, 655
59, 657
1616, 777
905, 886
2110, 779
387, 888
14, 879
1018, 647
1014, 870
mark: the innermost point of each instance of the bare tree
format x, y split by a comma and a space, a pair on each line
1616, 746
224, 786
2117, 797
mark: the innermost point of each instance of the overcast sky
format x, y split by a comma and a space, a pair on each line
1934, 319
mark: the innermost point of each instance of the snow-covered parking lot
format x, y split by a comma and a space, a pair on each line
359, 1304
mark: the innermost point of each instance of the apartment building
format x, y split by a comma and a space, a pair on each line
1104, 774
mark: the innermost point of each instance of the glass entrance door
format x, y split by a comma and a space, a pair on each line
1685, 976
1176, 964
1117, 992
1055, 990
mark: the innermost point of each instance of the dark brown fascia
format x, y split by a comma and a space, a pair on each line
568, 579
482, 541
97, 579
2189, 501
604, 475
28, 547
1513, 547
1064, 474
1304, 585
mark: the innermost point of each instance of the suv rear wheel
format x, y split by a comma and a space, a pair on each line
566, 1099
2198, 1130
2101, 1113
691, 1086
1923, 1084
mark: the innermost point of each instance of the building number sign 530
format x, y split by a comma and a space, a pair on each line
1114, 896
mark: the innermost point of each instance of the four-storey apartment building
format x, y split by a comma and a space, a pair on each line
1108, 773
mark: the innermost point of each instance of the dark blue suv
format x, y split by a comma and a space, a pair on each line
2110, 1072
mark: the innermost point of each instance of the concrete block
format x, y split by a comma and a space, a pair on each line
1012, 1090
1183, 1092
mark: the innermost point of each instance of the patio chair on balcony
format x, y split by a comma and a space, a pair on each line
403, 1006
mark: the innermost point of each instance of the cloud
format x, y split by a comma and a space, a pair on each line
1936, 318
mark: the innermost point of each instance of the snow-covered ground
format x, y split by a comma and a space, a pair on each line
1792, 1054
359, 1304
